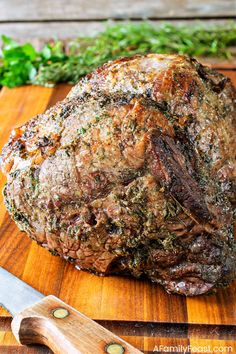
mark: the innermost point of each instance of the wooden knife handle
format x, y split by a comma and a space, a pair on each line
64, 330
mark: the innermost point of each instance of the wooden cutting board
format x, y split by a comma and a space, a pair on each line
141, 312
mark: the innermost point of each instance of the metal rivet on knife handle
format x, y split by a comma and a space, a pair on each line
60, 312
114, 348
48, 320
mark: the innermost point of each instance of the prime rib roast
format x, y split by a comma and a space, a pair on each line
133, 173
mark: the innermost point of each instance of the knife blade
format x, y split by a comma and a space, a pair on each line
25, 295
39, 319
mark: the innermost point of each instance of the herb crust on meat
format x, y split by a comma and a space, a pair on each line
133, 173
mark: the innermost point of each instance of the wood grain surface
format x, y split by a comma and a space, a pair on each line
141, 312
102, 9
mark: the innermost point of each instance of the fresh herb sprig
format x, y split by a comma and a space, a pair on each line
22, 64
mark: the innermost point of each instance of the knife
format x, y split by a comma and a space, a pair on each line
39, 319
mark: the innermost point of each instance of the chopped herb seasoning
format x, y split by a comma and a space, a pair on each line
133, 125
53, 252
82, 131
97, 178
169, 242
172, 209
67, 152
15, 174
34, 179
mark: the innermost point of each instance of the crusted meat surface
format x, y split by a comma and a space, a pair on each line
133, 173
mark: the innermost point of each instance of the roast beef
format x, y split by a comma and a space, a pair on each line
133, 173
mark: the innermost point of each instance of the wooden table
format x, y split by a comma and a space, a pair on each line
70, 18
140, 312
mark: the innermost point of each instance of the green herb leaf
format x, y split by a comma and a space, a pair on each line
82, 130
22, 64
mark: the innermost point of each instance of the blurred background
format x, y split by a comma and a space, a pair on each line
33, 19
69, 38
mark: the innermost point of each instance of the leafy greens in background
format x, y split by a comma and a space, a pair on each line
22, 64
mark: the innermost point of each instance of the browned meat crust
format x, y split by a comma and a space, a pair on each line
133, 173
